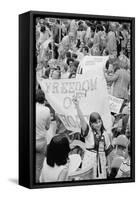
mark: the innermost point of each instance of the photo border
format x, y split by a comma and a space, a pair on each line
32, 76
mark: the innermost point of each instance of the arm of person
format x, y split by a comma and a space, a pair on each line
112, 78
108, 150
83, 123
63, 176
108, 145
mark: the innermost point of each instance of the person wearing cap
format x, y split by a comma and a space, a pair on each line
121, 146
125, 168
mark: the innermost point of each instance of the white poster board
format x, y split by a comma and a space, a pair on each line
92, 94
115, 104
92, 64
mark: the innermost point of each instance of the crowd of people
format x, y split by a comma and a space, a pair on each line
61, 44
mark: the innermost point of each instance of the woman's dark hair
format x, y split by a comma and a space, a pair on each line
99, 28
40, 96
58, 68
86, 48
58, 150
68, 54
125, 26
43, 29
50, 46
69, 59
81, 27
93, 28
107, 64
74, 56
106, 52
80, 23
93, 119
113, 173
58, 21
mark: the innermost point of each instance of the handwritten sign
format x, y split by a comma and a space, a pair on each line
92, 64
115, 104
90, 90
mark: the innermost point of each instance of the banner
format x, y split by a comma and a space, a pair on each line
92, 94
115, 104
92, 64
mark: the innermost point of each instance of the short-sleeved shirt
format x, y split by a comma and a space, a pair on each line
42, 116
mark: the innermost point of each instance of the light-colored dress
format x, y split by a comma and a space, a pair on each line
99, 160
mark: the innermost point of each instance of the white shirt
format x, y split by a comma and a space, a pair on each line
42, 116
51, 174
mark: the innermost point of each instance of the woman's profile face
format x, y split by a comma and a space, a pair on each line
97, 125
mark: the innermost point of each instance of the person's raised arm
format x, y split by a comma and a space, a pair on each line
111, 78
83, 123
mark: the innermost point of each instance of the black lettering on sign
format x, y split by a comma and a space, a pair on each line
47, 87
55, 87
71, 87
67, 102
64, 88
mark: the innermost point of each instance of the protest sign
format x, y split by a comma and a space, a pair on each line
91, 92
92, 64
115, 104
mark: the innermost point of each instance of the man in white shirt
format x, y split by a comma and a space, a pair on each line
42, 125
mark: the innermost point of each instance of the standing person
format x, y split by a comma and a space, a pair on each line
99, 39
88, 32
125, 36
120, 80
73, 28
119, 38
66, 44
85, 51
96, 139
80, 34
110, 72
125, 168
111, 40
45, 34
42, 125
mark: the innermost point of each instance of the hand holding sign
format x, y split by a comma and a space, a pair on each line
75, 101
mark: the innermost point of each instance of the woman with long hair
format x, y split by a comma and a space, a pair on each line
96, 140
